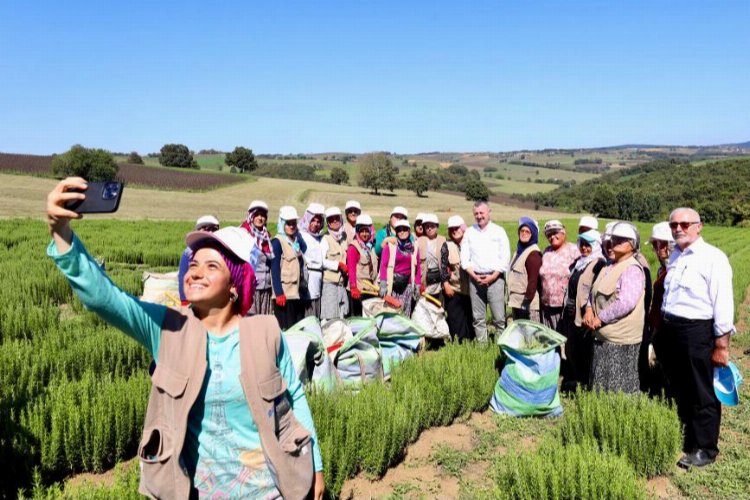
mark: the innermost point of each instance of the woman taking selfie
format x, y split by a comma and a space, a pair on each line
218, 376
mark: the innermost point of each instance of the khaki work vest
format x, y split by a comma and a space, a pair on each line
367, 268
459, 280
422, 243
176, 384
582, 290
629, 329
290, 269
392, 265
518, 280
337, 252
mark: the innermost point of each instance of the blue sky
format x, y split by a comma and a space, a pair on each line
357, 76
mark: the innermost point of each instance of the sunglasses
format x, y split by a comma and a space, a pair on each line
616, 240
683, 224
402, 229
210, 229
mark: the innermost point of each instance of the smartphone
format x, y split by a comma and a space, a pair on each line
102, 197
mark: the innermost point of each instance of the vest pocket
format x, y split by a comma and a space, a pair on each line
169, 381
155, 446
293, 437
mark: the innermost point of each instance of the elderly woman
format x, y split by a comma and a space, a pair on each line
400, 273
207, 223
523, 275
387, 234
617, 315
256, 226
418, 228
352, 209
334, 302
429, 256
311, 229
555, 272
577, 365
287, 269
207, 433
361, 264
456, 282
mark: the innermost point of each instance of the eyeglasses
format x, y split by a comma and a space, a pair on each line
683, 224
402, 229
210, 229
617, 240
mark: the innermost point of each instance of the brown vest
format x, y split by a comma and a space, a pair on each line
629, 329
367, 268
392, 265
290, 270
176, 383
518, 280
582, 290
337, 252
422, 243
458, 280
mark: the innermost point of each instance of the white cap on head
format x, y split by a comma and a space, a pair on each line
257, 204
402, 223
419, 217
662, 232
608, 229
589, 222
316, 209
455, 221
553, 225
364, 220
288, 212
352, 204
331, 211
234, 239
400, 210
625, 230
430, 219
206, 220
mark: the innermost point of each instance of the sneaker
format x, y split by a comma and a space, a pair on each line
698, 458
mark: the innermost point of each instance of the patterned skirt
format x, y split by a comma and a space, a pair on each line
614, 367
262, 302
406, 298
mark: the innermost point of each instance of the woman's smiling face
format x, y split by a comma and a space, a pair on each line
208, 282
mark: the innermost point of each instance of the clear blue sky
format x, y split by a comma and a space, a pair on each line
314, 76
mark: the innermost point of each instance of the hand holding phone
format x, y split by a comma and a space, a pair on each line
101, 197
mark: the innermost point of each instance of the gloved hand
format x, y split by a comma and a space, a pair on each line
184, 302
342, 267
356, 295
383, 288
422, 288
281, 300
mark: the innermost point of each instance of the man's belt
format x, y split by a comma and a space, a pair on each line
671, 318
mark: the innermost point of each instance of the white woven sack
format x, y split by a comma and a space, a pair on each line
161, 289
431, 318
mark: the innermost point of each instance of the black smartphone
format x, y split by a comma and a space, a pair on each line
102, 197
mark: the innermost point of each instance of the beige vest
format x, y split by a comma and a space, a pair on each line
459, 280
392, 265
337, 252
583, 289
518, 280
176, 383
629, 329
290, 270
350, 232
367, 268
422, 242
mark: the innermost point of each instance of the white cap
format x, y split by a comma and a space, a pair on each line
257, 204
608, 230
402, 223
206, 220
363, 220
352, 204
625, 230
420, 217
662, 232
400, 210
589, 222
288, 213
430, 218
331, 211
553, 225
234, 239
316, 209
455, 221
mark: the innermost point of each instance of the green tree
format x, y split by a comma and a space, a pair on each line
91, 164
242, 158
177, 155
419, 181
376, 172
339, 176
135, 158
476, 190
457, 169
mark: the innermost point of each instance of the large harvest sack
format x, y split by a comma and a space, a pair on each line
161, 289
399, 338
335, 333
359, 359
308, 352
431, 318
528, 382
374, 306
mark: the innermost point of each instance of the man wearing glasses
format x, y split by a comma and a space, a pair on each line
698, 320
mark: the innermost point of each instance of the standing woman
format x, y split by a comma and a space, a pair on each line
456, 282
287, 269
352, 211
361, 263
618, 315
523, 278
555, 272
418, 227
256, 226
206, 432
311, 229
334, 303
207, 223
399, 268
429, 256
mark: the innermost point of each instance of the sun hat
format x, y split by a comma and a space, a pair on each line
589, 222
257, 204
206, 220
234, 239
363, 220
552, 226
419, 217
625, 230
727, 379
430, 219
661, 232
401, 211
352, 204
455, 221
402, 223
288, 213
590, 236
316, 209
331, 211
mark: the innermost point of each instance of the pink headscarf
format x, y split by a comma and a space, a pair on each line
243, 279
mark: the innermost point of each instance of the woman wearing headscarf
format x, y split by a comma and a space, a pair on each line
400, 273
523, 277
287, 269
617, 304
418, 228
555, 272
576, 367
256, 225
429, 246
456, 282
207, 433
334, 303
311, 229
361, 264
207, 223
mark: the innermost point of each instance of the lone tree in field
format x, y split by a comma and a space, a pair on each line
476, 190
377, 172
135, 158
419, 181
177, 155
91, 164
242, 159
339, 176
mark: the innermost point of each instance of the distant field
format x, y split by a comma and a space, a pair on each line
517, 187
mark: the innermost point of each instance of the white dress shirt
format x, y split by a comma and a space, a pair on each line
699, 286
485, 250
314, 262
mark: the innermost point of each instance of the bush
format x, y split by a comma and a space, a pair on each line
339, 176
91, 164
135, 158
177, 155
477, 190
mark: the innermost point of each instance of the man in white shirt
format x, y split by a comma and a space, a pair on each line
485, 254
698, 320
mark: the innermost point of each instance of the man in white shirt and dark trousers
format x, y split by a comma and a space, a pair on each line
698, 320
485, 254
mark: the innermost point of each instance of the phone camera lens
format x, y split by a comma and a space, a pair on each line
111, 190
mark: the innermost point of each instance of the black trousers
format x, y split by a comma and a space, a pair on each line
688, 365
292, 312
458, 310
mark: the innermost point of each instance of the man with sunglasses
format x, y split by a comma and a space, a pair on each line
698, 320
